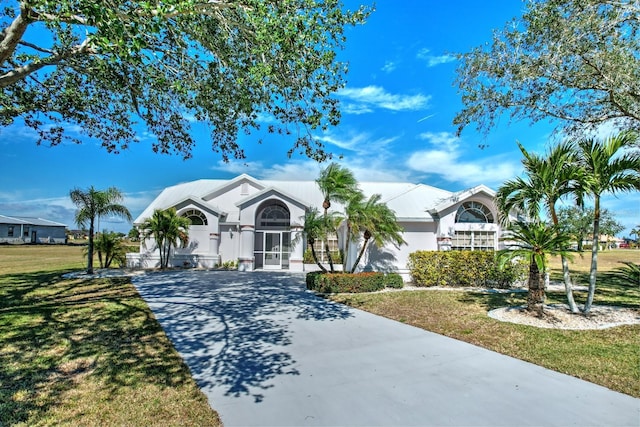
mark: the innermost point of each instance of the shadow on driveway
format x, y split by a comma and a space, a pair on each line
232, 327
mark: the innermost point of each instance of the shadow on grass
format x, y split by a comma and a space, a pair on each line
232, 328
56, 332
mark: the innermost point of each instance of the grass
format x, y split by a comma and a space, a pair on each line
85, 352
609, 357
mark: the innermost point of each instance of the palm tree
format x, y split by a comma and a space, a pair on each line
93, 204
547, 180
376, 222
109, 244
635, 232
168, 230
316, 227
609, 166
534, 241
335, 183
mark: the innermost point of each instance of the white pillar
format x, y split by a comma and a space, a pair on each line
214, 246
296, 258
246, 259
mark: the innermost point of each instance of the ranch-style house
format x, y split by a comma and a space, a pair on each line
256, 223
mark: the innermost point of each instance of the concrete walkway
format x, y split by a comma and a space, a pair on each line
268, 353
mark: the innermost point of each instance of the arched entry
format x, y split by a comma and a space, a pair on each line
272, 236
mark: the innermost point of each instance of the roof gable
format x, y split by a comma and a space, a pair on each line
242, 180
268, 192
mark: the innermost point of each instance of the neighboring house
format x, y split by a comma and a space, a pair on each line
19, 229
254, 222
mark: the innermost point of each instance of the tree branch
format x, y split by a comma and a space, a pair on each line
20, 73
12, 34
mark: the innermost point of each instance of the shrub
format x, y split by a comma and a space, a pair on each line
462, 268
351, 283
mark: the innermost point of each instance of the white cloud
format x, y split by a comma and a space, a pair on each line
433, 60
444, 159
370, 97
389, 66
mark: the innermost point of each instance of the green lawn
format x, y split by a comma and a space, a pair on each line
85, 352
609, 357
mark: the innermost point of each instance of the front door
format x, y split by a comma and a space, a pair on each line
272, 250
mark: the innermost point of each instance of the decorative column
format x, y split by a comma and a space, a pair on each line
214, 247
246, 259
296, 258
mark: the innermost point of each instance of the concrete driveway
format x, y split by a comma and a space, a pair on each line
268, 353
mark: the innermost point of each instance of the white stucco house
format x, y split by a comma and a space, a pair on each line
254, 223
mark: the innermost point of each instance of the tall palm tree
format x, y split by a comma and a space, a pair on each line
635, 232
547, 180
534, 241
93, 204
168, 230
609, 166
376, 222
336, 183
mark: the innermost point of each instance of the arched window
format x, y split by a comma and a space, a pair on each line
274, 216
474, 212
195, 216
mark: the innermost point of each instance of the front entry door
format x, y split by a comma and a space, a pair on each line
272, 250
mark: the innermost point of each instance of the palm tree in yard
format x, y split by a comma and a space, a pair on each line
547, 179
609, 166
336, 183
316, 227
168, 230
375, 222
534, 241
93, 204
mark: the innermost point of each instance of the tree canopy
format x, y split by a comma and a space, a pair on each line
237, 66
574, 61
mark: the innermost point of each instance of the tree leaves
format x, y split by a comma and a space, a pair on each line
573, 61
110, 67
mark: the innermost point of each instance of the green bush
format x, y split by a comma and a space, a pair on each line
463, 269
351, 283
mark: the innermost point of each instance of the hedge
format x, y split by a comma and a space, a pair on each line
463, 268
352, 283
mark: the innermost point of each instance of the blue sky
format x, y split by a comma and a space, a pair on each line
398, 107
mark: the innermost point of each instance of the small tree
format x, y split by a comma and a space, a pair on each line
93, 204
110, 248
168, 230
376, 222
534, 241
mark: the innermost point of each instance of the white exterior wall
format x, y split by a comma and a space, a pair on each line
427, 214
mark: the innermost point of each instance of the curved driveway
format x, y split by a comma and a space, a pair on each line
266, 352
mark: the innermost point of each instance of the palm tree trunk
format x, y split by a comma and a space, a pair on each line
565, 269
535, 296
355, 264
90, 249
315, 257
594, 254
326, 248
568, 286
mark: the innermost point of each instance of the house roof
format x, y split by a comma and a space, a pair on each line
410, 202
26, 220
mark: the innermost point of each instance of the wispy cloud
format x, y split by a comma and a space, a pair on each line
444, 159
369, 98
433, 60
389, 66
